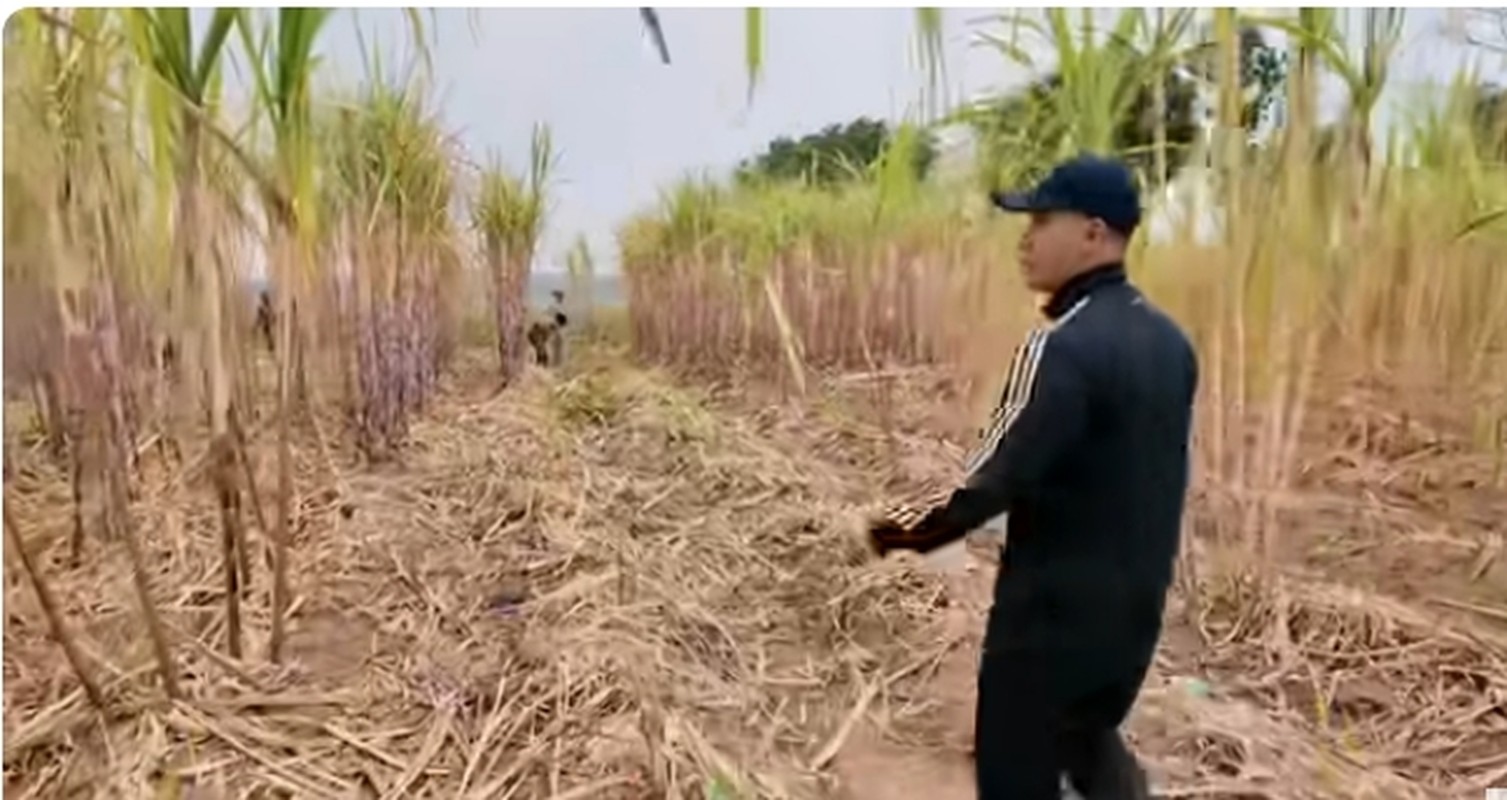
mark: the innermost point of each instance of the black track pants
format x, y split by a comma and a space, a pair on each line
1030, 730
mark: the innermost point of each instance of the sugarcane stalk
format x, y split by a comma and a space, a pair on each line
119, 513
55, 623
231, 536
284, 484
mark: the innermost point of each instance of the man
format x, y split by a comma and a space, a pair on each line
265, 316
557, 335
1088, 456
546, 334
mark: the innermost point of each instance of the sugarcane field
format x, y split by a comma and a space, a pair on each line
509, 403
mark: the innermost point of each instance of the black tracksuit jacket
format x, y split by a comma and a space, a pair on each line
1088, 455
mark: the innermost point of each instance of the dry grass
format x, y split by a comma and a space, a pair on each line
602, 585
534, 603
1395, 689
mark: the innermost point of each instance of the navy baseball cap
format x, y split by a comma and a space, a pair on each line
1088, 185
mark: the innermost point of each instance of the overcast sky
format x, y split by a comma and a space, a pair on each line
625, 125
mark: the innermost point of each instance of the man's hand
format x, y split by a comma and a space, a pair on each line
911, 531
884, 534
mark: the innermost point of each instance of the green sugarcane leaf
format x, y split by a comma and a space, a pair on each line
753, 46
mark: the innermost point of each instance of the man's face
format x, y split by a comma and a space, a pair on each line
1056, 246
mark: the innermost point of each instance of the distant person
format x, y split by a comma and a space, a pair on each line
546, 335
264, 319
557, 333
1087, 454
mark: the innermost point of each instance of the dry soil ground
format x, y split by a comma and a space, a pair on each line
602, 585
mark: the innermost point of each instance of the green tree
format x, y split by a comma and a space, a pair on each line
1021, 128
832, 155
1103, 95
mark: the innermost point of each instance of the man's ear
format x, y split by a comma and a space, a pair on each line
1098, 231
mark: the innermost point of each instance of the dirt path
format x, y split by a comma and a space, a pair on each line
1193, 740
1199, 731
875, 766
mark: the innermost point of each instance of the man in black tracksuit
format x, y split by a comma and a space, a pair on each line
1088, 456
